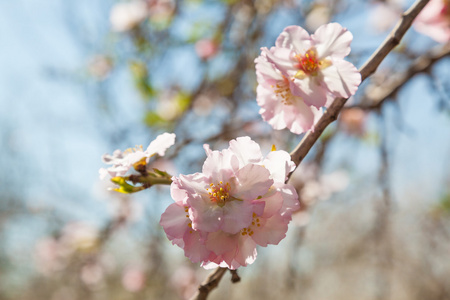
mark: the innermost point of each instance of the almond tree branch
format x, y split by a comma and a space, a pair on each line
379, 94
299, 153
210, 283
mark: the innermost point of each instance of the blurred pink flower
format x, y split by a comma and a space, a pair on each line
160, 10
314, 66
125, 16
47, 256
133, 279
53, 254
239, 201
123, 161
434, 20
92, 274
206, 48
184, 281
319, 15
279, 106
353, 121
390, 11
100, 66
79, 237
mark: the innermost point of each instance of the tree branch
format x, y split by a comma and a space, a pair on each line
210, 283
378, 94
299, 153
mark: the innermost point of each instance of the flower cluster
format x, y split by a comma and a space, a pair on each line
434, 20
238, 201
303, 73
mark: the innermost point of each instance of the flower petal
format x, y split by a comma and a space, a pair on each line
236, 215
342, 78
220, 242
281, 59
194, 248
294, 38
205, 215
279, 164
246, 150
332, 40
174, 221
272, 231
246, 252
196, 183
310, 89
160, 144
290, 198
220, 165
252, 181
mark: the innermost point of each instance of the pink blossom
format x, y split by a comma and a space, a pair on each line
92, 274
53, 254
353, 121
279, 106
133, 279
434, 20
48, 256
313, 66
206, 48
320, 14
184, 282
238, 201
123, 161
125, 16
391, 11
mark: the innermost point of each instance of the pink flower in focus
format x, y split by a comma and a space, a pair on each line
206, 48
123, 161
239, 201
434, 20
314, 66
279, 106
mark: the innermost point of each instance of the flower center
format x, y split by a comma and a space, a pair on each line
283, 91
186, 210
309, 62
135, 149
219, 193
249, 229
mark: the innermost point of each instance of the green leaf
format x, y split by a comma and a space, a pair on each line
152, 119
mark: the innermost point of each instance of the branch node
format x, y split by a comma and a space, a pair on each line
234, 276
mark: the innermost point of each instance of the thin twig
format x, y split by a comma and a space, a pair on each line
210, 283
379, 94
299, 153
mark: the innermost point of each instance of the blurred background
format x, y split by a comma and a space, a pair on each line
83, 78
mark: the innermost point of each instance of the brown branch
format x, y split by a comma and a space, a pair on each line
379, 94
210, 283
299, 153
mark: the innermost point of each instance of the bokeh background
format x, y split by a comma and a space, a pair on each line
82, 78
